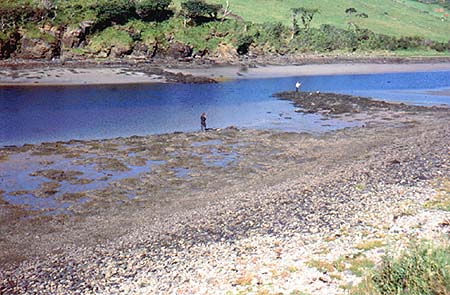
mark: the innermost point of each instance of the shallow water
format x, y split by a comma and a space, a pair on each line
20, 185
39, 114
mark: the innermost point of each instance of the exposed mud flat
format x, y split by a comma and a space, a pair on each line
149, 200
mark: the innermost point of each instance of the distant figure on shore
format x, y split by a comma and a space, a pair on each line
203, 121
297, 86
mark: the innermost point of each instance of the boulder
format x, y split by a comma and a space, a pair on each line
225, 53
201, 53
118, 51
140, 50
255, 51
35, 48
72, 38
178, 50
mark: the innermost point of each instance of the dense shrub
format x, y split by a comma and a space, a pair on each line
153, 9
329, 38
243, 43
13, 16
272, 35
111, 12
199, 10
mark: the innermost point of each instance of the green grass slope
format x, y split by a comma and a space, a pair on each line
391, 17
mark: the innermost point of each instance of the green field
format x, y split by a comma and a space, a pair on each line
391, 17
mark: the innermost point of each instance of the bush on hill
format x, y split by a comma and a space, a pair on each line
111, 12
198, 11
153, 10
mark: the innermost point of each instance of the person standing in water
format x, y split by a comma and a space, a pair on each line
297, 86
203, 121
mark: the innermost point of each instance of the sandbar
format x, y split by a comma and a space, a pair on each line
278, 71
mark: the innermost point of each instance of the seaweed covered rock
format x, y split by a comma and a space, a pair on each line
336, 104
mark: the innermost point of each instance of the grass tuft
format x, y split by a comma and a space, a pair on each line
422, 268
369, 245
441, 200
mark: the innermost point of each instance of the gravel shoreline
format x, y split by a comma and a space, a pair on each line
255, 224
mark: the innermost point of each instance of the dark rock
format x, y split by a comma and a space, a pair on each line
120, 50
201, 53
140, 50
178, 50
7, 47
35, 48
72, 38
335, 104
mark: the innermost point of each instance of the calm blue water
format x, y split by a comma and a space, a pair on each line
38, 114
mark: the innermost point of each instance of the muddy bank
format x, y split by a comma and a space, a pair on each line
162, 196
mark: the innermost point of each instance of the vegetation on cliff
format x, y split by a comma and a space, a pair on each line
220, 29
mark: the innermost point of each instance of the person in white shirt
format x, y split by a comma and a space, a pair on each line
297, 86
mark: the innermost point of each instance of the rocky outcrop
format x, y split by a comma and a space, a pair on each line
44, 44
143, 51
225, 53
121, 50
179, 50
74, 37
36, 48
8, 46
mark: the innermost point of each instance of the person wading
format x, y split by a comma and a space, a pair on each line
203, 121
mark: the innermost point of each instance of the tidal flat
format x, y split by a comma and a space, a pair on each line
140, 214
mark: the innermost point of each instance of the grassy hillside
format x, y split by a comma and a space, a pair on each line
391, 17
192, 28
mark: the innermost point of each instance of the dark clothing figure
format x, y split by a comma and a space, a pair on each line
203, 121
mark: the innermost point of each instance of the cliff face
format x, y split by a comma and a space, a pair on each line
69, 42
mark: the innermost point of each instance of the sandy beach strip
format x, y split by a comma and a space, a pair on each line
75, 76
127, 75
261, 72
